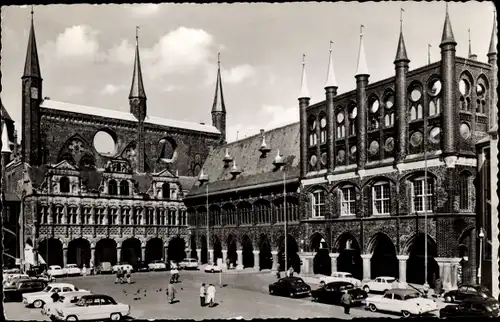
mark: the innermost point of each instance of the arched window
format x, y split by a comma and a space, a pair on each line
322, 127
43, 214
434, 100
340, 124
125, 216
381, 198
165, 189
113, 216
419, 196
348, 201
72, 215
318, 203
464, 191
124, 188
353, 113
112, 188
416, 108
313, 138
64, 185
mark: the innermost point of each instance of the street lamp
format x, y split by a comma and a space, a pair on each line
279, 162
424, 204
481, 240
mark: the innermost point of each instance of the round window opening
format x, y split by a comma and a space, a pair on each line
323, 122
416, 139
374, 147
375, 106
389, 101
323, 158
312, 125
480, 89
104, 143
353, 152
465, 130
389, 144
354, 113
435, 135
340, 117
435, 87
415, 94
313, 160
463, 87
341, 155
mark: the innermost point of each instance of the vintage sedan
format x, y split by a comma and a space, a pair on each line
473, 307
380, 284
189, 263
466, 291
331, 293
72, 270
405, 301
70, 298
123, 266
39, 299
93, 307
56, 271
15, 292
290, 286
341, 277
157, 265
211, 268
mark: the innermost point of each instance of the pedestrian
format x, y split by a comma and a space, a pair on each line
322, 284
438, 289
129, 276
91, 268
118, 276
55, 296
290, 272
171, 293
228, 264
175, 275
278, 274
84, 270
203, 294
346, 301
210, 295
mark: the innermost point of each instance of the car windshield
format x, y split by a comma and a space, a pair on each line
412, 296
297, 281
390, 280
81, 302
47, 289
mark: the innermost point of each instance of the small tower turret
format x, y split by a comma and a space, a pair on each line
304, 99
362, 76
219, 107
330, 92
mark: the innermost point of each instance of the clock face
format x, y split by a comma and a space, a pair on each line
34, 92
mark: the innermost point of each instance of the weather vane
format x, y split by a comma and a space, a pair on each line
218, 59
137, 33
331, 43
361, 30
32, 11
303, 59
401, 18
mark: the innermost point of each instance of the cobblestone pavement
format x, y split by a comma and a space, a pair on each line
243, 295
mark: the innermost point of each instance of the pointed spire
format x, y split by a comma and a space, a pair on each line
219, 105
494, 40
447, 31
429, 53
362, 66
5, 139
137, 88
470, 46
331, 81
401, 51
304, 90
32, 65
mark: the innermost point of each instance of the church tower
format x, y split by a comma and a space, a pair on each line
219, 107
31, 99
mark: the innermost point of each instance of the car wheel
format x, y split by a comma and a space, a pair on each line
372, 308
211, 271
448, 299
406, 314
291, 294
271, 292
38, 304
366, 289
116, 317
71, 318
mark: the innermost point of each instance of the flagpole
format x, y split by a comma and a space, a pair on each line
286, 221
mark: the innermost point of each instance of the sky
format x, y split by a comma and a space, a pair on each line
87, 51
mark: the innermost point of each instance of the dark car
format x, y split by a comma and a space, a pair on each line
466, 291
332, 292
290, 286
14, 293
141, 267
472, 307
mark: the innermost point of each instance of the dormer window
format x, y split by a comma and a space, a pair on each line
278, 160
165, 189
112, 188
227, 158
235, 171
124, 188
64, 186
264, 149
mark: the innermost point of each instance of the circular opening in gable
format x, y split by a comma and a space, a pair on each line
104, 143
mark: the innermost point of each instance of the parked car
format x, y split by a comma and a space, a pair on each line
472, 307
380, 284
211, 268
104, 268
290, 286
93, 307
141, 267
189, 263
331, 293
21, 286
39, 299
405, 301
157, 265
11, 279
466, 291
341, 277
123, 266
72, 270
64, 300
56, 271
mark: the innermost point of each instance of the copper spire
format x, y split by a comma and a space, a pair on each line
137, 88
32, 65
304, 90
494, 40
447, 31
331, 81
401, 51
218, 105
362, 66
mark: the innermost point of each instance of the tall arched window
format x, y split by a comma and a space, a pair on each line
112, 188
389, 113
434, 102
353, 113
165, 189
124, 191
340, 124
313, 138
464, 191
64, 184
322, 129
416, 108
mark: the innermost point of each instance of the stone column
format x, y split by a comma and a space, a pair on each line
65, 256
198, 254
455, 263
402, 267
366, 266
211, 256
275, 260
224, 256
445, 272
143, 253
92, 254
256, 260
240, 258
118, 254
333, 258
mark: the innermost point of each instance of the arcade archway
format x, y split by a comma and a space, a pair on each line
204, 250
265, 255
176, 249
51, 251
79, 252
105, 251
217, 249
349, 259
131, 251
468, 259
154, 250
415, 266
194, 253
292, 254
322, 264
246, 244
384, 261
232, 256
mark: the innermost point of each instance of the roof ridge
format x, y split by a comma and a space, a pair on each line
258, 134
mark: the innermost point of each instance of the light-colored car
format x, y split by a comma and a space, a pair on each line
210, 268
123, 266
399, 300
189, 263
39, 299
380, 284
10, 279
72, 269
341, 277
157, 265
93, 307
56, 271
65, 300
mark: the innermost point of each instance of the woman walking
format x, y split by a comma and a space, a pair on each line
171, 293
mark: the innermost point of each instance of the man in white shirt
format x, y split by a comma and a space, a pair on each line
211, 295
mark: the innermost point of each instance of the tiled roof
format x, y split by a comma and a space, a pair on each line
5, 114
187, 182
101, 112
255, 170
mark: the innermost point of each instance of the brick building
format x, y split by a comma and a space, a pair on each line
365, 157
81, 204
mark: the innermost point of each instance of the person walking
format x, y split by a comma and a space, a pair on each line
84, 270
175, 275
171, 293
346, 301
278, 274
91, 266
290, 272
129, 276
211, 295
118, 276
203, 295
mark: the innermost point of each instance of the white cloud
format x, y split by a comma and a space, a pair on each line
77, 41
237, 74
123, 53
144, 10
111, 89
